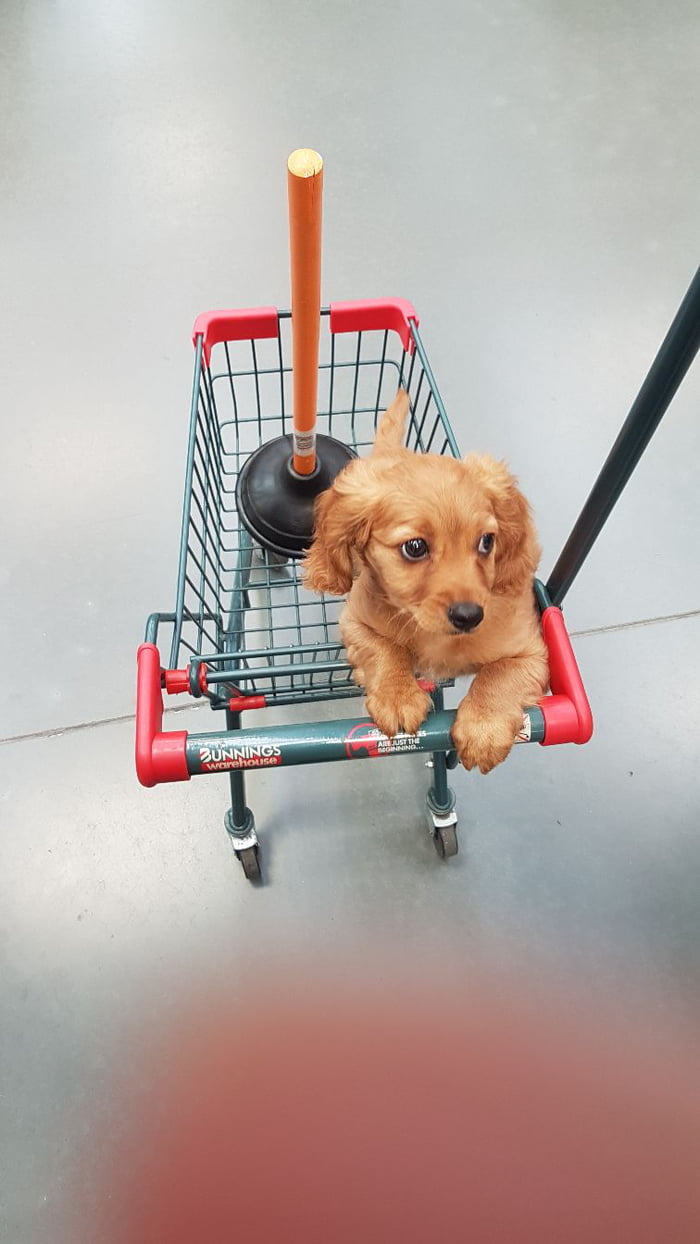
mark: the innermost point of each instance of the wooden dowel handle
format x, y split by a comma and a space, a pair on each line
305, 184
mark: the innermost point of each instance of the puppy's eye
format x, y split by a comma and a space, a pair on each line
414, 550
485, 544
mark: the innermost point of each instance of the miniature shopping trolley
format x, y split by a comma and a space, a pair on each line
245, 635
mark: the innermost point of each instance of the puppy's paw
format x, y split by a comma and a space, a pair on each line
398, 709
483, 742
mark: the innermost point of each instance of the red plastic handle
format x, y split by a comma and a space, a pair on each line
177, 682
159, 757
567, 713
394, 314
251, 323
255, 323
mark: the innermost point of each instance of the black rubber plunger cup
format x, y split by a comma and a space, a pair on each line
279, 483
275, 503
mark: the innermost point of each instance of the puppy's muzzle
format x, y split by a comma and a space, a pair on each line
465, 615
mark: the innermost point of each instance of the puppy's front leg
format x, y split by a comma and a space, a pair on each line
491, 713
394, 700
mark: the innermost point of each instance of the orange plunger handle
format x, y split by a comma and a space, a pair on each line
305, 183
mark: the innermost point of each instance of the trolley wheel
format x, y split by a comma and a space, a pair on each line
250, 863
445, 839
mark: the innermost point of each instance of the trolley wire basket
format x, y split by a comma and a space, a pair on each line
243, 612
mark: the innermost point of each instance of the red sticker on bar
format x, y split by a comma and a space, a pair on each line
366, 740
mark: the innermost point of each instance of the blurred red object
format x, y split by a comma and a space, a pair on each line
351, 1116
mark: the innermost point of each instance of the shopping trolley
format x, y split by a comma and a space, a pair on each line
245, 634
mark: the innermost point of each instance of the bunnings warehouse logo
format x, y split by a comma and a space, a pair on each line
244, 756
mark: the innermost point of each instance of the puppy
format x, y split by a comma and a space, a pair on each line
438, 557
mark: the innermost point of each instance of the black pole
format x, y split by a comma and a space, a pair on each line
665, 375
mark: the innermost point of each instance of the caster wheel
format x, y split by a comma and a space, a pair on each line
250, 863
445, 839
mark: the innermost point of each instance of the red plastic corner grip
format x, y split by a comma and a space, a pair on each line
159, 757
177, 682
252, 323
376, 313
567, 713
241, 703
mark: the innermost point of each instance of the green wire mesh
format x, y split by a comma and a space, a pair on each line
241, 610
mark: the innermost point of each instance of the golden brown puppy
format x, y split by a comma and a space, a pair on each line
438, 557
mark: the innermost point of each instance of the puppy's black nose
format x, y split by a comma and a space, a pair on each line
465, 615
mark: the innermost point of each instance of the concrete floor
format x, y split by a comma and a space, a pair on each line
527, 175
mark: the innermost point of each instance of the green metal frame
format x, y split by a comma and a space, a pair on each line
321, 741
245, 632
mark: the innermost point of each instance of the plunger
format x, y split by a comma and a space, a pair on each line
279, 483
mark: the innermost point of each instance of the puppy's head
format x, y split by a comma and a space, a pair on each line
439, 536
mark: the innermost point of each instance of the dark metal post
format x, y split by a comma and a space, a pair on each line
239, 818
665, 375
440, 798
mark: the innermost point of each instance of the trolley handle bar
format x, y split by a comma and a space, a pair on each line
311, 742
259, 323
161, 756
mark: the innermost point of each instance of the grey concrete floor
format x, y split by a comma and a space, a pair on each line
527, 175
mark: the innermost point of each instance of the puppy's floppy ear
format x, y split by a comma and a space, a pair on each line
517, 548
392, 426
343, 522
